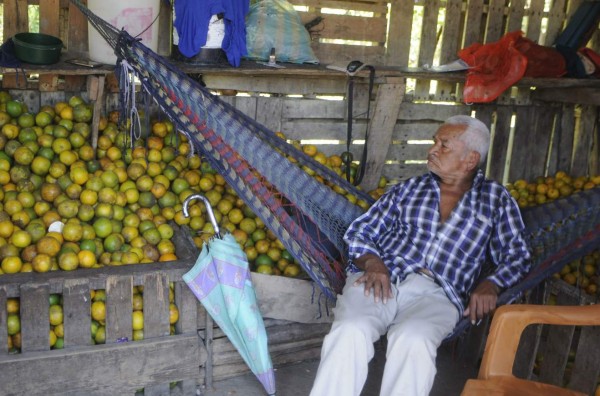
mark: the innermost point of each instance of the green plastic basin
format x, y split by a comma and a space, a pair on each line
37, 48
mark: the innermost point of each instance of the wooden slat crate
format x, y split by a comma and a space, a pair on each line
121, 365
194, 356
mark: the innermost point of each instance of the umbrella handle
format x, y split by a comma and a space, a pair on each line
209, 210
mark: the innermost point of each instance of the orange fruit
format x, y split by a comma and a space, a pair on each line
72, 232
23, 155
11, 264
61, 144
79, 175
98, 311
6, 228
41, 263
107, 195
159, 129
137, 318
292, 270
68, 261
56, 314
113, 242
103, 227
173, 313
166, 246
87, 259
167, 257
262, 246
158, 190
13, 322
48, 245
21, 238
166, 231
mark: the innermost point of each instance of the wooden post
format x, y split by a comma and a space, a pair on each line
77, 41
156, 317
77, 315
35, 333
119, 296
49, 24
96, 96
381, 127
400, 22
15, 21
3, 329
187, 304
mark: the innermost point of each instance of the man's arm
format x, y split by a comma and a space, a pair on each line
510, 252
482, 301
362, 238
376, 276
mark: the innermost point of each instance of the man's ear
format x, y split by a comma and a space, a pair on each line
473, 160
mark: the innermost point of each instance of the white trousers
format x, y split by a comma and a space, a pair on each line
416, 321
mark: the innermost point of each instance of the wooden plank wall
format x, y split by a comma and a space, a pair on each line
363, 24
387, 32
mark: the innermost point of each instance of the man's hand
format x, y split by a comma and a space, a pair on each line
483, 300
376, 276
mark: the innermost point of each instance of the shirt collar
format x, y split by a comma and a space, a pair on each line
477, 180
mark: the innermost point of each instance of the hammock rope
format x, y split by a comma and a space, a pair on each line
308, 216
305, 214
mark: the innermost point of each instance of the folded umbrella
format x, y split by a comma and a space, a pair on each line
221, 281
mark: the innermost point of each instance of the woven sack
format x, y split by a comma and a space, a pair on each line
276, 24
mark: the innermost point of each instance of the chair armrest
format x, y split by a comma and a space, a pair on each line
509, 322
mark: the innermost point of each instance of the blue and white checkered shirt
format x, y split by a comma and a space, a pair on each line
403, 228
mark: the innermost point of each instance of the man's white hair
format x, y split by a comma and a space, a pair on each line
476, 136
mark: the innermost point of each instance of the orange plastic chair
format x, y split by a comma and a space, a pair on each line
495, 376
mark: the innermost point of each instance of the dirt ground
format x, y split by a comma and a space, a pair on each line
296, 379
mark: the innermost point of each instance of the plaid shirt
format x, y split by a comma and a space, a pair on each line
403, 228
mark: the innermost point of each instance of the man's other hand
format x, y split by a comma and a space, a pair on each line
483, 300
376, 276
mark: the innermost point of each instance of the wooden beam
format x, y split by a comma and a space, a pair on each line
381, 127
578, 95
15, 20
49, 24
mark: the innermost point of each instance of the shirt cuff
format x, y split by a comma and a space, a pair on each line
357, 250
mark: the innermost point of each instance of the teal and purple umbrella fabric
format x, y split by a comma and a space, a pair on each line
221, 281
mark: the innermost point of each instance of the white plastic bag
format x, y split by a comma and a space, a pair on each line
275, 24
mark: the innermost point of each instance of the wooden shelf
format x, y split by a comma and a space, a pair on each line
61, 67
251, 68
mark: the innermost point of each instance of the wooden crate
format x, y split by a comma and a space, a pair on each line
297, 318
121, 365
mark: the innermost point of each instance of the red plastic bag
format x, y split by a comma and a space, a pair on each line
541, 61
494, 67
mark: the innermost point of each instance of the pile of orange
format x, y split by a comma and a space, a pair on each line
583, 273
548, 188
66, 205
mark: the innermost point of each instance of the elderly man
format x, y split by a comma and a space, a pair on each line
415, 256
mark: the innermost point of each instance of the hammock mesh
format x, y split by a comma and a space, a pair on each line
306, 215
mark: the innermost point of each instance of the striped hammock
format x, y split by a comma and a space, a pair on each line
306, 215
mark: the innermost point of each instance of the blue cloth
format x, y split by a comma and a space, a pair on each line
192, 18
403, 228
7, 54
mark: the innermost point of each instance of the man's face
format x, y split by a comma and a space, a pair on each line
448, 155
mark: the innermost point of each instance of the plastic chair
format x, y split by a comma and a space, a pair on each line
495, 373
